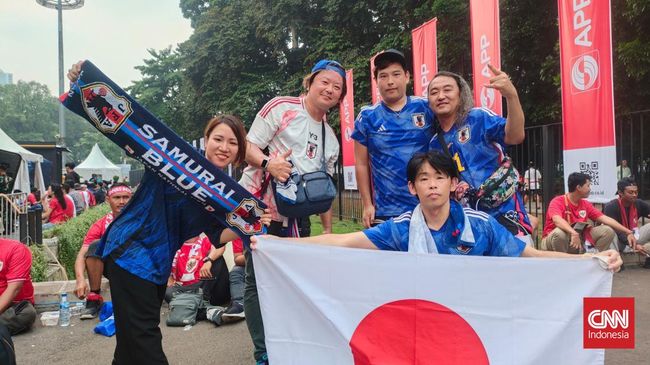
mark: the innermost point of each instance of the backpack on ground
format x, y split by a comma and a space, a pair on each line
184, 307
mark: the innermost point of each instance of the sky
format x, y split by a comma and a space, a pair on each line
113, 34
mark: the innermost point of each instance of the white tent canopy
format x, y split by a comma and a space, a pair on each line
22, 177
97, 163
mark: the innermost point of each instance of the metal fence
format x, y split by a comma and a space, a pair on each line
17, 222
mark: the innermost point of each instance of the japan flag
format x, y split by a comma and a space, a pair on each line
331, 305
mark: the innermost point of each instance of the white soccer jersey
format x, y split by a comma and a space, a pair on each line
283, 124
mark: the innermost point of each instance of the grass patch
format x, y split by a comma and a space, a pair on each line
338, 226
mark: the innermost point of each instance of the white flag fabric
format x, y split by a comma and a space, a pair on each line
330, 305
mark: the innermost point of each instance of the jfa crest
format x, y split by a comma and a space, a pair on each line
104, 107
246, 216
462, 249
311, 150
418, 120
463, 134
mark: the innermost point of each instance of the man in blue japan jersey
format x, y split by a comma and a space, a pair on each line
386, 135
476, 137
440, 225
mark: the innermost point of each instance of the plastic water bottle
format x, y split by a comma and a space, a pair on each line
64, 311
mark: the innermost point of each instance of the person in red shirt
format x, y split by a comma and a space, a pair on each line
17, 311
564, 211
118, 197
197, 264
58, 209
34, 197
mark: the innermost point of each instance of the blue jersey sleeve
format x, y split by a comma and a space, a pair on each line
502, 242
360, 133
389, 236
494, 126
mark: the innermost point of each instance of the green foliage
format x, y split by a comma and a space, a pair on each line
39, 263
72, 233
29, 113
245, 52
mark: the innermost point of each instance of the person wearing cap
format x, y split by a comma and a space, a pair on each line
77, 197
89, 198
386, 135
626, 210
292, 130
87, 260
476, 139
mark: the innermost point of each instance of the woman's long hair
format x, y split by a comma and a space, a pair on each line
58, 194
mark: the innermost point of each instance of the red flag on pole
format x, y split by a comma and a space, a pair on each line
486, 49
374, 90
346, 113
587, 93
425, 56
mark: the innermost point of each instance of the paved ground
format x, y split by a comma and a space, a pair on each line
207, 344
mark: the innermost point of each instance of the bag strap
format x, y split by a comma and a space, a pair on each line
323, 164
443, 143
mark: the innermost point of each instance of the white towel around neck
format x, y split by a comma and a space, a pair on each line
420, 238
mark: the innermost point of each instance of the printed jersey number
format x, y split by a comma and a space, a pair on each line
458, 163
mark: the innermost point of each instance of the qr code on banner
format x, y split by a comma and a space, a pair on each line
591, 169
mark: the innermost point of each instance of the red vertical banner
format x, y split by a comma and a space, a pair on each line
587, 93
425, 56
346, 113
374, 90
486, 49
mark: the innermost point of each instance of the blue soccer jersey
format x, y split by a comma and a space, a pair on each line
466, 232
149, 230
392, 138
477, 149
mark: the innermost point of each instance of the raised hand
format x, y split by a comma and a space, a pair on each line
501, 82
74, 71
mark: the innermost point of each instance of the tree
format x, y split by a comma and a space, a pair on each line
28, 112
243, 53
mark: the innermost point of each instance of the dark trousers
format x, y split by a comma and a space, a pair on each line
136, 306
19, 317
251, 299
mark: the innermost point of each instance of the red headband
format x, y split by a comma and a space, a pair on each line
119, 189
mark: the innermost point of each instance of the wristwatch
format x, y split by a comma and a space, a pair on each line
265, 162
207, 258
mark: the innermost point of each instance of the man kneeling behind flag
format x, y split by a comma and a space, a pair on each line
441, 225
323, 306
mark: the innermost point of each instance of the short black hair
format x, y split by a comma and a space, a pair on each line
575, 179
624, 183
71, 165
440, 162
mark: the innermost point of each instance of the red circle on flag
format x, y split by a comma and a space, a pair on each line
414, 331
